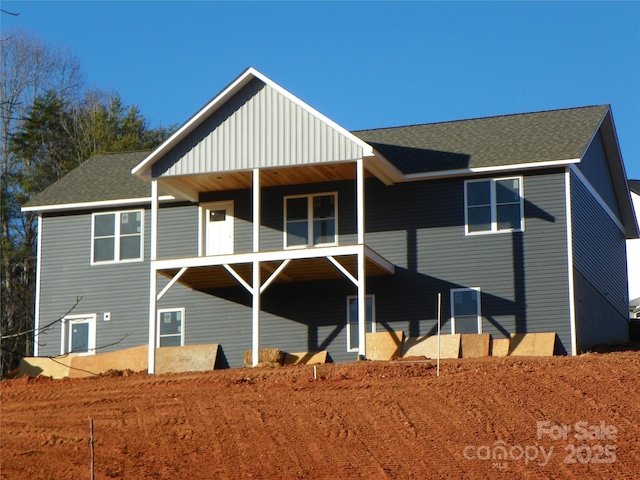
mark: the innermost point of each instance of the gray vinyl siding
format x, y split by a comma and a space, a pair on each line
418, 226
66, 275
599, 254
177, 231
595, 168
523, 277
258, 127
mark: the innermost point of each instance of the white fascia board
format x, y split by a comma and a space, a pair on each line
123, 202
276, 255
597, 197
259, 256
144, 168
379, 260
412, 177
383, 169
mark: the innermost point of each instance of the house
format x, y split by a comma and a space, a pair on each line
262, 223
633, 256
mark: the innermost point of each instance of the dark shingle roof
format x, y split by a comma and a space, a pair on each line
483, 142
488, 142
634, 186
101, 178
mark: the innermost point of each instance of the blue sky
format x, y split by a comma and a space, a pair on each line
363, 64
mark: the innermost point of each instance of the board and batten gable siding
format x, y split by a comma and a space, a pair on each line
599, 256
258, 127
595, 168
121, 289
523, 276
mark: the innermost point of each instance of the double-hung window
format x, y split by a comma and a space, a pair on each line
494, 205
465, 310
352, 320
117, 236
171, 327
310, 220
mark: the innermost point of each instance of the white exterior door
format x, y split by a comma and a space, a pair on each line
218, 228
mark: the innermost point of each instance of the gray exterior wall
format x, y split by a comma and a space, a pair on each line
523, 276
595, 168
417, 226
600, 275
66, 274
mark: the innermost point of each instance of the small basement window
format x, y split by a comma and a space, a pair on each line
171, 327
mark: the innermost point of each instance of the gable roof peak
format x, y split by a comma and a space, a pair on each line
249, 74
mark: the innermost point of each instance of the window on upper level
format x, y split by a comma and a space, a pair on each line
310, 220
117, 237
493, 205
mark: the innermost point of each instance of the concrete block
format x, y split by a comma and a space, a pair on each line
500, 347
134, 359
191, 358
305, 358
384, 345
532, 344
34, 366
427, 346
474, 345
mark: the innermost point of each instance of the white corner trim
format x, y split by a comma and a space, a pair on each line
571, 292
36, 314
97, 204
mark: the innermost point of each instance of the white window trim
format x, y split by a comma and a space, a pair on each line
66, 323
479, 305
494, 209
309, 197
116, 247
373, 320
182, 328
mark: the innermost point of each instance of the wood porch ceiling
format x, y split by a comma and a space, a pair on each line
300, 270
219, 181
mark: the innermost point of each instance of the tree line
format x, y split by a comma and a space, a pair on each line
50, 122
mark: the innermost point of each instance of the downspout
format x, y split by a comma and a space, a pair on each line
153, 281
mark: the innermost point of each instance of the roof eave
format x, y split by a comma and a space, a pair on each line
619, 175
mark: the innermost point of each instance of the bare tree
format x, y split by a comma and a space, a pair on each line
28, 68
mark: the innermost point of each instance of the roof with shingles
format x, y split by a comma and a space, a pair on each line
634, 186
488, 142
101, 178
464, 144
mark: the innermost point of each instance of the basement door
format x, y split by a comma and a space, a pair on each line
218, 228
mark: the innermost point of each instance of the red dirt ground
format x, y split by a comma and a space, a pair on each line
371, 420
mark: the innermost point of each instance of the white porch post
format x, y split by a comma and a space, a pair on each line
362, 291
255, 341
153, 302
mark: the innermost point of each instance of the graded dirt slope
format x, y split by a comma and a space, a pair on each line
482, 418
